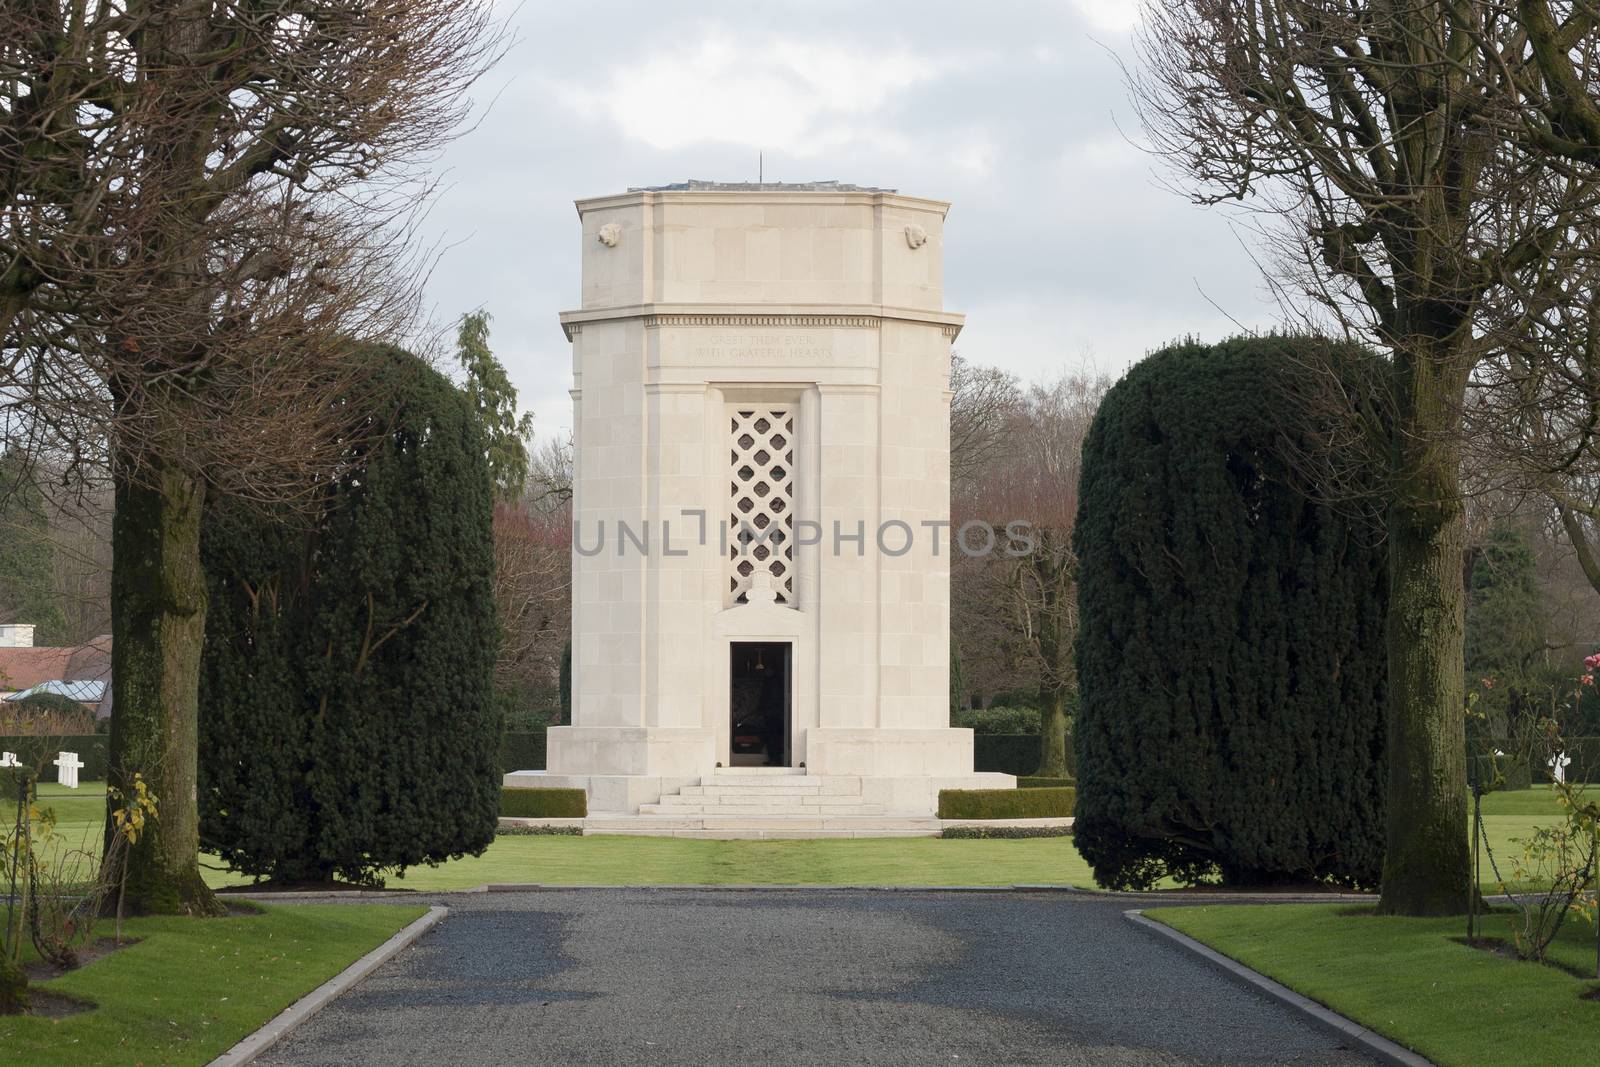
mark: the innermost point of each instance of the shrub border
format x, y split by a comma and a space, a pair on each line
519, 803
973, 833
1006, 803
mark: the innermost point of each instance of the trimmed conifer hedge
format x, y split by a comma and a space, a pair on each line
349, 728
1518, 773
1231, 640
1006, 803
981, 832
543, 803
1034, 781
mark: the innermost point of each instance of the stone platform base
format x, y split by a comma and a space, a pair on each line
619, 794
778, 801
771, 828
777, 828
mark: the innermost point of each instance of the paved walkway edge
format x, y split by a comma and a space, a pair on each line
1372, 1043
284, 1023
1151, 897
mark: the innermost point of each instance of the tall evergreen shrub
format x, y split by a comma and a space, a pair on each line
1231, 645
348, 725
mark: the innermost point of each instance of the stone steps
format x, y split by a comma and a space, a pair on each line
765, 802
751, 795
774, 778
722, 790
797, 802
760, 809
763, 826
771, 802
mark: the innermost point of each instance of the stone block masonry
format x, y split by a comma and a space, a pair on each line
761, 569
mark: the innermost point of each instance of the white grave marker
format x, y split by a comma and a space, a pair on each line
69, 764
9, 759
1558, 766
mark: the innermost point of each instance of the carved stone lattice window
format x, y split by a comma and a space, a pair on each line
761, 501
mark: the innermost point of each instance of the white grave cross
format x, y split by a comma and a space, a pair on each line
69, 764
1558, 766
9, 759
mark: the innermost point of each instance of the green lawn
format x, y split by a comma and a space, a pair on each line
605, 860
1506, 817
191, 988
888, 861
79, 812
1406, 979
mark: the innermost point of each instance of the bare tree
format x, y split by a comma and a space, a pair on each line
981, 403
1030, 499
1382, 146
1559, 102
532, 589
202, 217
549, 487
80, 527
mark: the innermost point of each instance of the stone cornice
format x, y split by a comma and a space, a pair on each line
825, 197
869, 322
868, 317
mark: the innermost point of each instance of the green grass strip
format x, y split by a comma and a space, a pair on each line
192, 988
656, 861
1409, 980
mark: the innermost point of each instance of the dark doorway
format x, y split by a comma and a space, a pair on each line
759, 704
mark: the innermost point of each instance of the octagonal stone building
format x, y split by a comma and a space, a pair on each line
761, 559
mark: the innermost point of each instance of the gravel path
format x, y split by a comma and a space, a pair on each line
675, 977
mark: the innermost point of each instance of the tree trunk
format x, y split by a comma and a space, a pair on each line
1053, 734
1427, 863
158, 604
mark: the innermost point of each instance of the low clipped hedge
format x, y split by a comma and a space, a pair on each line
1011, 832
1584, 752
1036, 782
543, 803
1054, 803
538, 831
1514, 775
39, 750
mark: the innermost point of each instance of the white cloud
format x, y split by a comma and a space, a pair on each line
1062, 238
974, 153
1116, 15
802, 97
1110, 151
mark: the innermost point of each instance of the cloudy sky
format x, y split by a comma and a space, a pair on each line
1062, 247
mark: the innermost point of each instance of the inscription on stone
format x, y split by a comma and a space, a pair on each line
766, 347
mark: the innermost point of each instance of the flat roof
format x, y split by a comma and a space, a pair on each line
698, 185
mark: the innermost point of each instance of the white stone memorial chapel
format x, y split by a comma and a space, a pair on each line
761, 557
